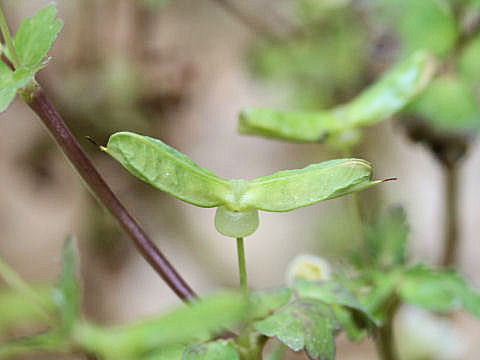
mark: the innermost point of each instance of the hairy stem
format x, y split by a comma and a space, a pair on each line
34, 96
451, 216
242, 267
385, 337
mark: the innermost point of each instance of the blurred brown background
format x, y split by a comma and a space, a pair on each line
180, 72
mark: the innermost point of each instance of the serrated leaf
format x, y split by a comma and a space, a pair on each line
265, 302
348, 324
332, 293
216, 350
304, 324
387, 237
377, 291
199, 322
448, 104
387, 96
68, 293
167, 169
36, 35
10, 82
438, 290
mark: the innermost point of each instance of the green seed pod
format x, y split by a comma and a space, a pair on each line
236, 224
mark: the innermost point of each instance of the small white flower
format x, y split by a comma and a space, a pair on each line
308, 267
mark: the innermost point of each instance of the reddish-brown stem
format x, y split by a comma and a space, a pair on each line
40, 104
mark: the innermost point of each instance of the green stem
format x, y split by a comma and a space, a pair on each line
18, 284
451, 216
8, 39
385, 337
242, 267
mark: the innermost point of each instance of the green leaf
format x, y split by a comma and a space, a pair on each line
348, 324
217, 350
68, 293
426, 24
277, 351
378, 102
334, 293
10, 83
167, 169
438, 290
329, 292
386, 238
265, 302
48, 342
313, 68
448, 104
376, 291
200, 321
18, 310
304, 324
173, 352
469, 62
36, 35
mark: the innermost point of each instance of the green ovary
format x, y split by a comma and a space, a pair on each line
236, 223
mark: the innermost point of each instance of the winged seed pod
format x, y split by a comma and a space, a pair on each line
238, 200
387, 96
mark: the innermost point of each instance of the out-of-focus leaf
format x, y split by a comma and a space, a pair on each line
265, 302
174, 352
197, 322
314, 10
167, 169
449, 104
426, 24
378, 102
52, 341
387, 237
438, 290
316, 67
277, 351
68, 293
469, 62
156, 4
35, 37
348, 324
332, 293
378, 291
10, 82
304, 324
216, 350
18, 310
